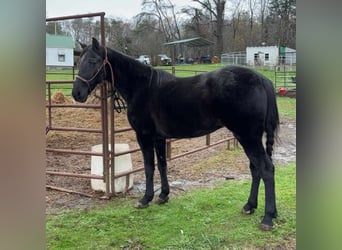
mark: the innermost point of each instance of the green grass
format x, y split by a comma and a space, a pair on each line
190, 69
184, 70
287, 107
60, 75
200, 219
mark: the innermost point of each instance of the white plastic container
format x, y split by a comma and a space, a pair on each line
123, 163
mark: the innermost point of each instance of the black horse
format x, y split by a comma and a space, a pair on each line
160, 106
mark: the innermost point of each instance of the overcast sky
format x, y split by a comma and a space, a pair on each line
124, 9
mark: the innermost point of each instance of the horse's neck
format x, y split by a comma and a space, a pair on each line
127, 73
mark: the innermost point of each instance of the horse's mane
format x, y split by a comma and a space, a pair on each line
125, 60
162, 76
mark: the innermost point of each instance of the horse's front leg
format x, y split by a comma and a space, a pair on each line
160, 147
146, 146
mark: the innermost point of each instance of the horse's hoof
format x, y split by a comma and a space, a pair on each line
250, 211
140, 205
265, 227
161, 201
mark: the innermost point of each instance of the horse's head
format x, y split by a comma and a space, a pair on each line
91, 70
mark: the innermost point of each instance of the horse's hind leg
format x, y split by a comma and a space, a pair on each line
159, 146
263, 164
252, 202
267, 175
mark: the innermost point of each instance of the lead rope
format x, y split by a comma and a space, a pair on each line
119, 104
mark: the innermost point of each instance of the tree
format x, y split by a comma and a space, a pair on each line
252, 7
54, 28
263, 12
164, 12
283, 17
118, 35
75, 28
234, 23
216, 9
147, 38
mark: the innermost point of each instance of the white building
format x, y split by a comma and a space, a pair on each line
59, 51
290, 56
270, 56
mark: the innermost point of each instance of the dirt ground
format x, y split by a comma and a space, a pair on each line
181, 175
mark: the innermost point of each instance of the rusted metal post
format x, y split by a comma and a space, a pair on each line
103, 39
49, 108
112, 148
207, 139
107, 159
105, 151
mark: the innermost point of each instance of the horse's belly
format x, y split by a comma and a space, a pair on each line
185, 128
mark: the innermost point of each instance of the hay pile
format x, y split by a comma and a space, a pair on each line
58, 97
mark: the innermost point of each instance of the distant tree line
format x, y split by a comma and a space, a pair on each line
231, 25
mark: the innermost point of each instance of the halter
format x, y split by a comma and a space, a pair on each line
105, 61
118, 102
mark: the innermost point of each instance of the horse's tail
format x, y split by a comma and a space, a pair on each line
272, 117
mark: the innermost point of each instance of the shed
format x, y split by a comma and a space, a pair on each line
59, 51
262, 56
192, 42
287, 55
190, 47
270, 56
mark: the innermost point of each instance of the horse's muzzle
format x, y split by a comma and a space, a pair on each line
79, 92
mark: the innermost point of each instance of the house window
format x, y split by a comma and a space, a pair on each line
61, 56
267, 57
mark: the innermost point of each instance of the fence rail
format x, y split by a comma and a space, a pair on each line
285, 76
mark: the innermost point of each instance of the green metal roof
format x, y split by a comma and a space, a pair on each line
59, 41
192, 42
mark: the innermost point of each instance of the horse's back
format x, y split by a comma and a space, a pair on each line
234, 97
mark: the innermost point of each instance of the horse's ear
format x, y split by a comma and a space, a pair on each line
95, 44
83, 46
